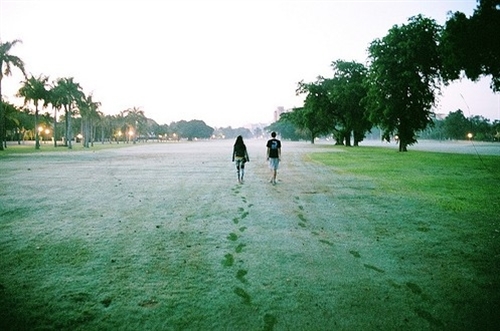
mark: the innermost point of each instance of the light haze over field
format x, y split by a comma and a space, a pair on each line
228, 63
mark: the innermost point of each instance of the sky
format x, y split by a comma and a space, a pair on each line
228, 63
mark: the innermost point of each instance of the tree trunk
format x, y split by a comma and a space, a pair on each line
92, 133
65, 144
37, 137
403, 146
347, 138
312, 138
357, 137
1, 129
70, 134
2, 116
55, 127
82, 129
87, 134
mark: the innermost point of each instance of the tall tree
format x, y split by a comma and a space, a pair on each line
12, 119
55, 96
194, 129
346, 91
136, 121
315, 116
404, 77
89, 113
34, 89
106, 123
120, 126
287, 128
7, 61
456, 126
65, 94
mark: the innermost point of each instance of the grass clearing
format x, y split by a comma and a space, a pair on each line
454, 182
161, 237
48, 148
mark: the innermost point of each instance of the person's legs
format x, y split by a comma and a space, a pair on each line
272, 170
242, 170
238, 167
273, 165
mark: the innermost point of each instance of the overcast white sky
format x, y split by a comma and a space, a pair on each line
229, 63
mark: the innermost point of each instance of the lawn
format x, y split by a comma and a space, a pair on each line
161, 236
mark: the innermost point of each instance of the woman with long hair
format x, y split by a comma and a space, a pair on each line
240, 157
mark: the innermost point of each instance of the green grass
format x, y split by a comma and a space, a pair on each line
461, 183
29, 148
435, 208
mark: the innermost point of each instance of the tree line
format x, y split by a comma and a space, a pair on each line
80, 114
399, 86
395, 91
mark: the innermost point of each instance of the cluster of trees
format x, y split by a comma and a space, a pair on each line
80, 114
230, 133
458, 127
399, 87
128, 126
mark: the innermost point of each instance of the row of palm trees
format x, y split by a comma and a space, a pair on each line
62, 94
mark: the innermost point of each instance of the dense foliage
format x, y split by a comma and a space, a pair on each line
456, 126
472, 44
403, 79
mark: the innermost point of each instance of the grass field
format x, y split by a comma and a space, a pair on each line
161, 237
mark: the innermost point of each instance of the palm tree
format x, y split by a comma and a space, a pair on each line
105, 125
8, 60
97, 120
66, 94
12, 116
120, 125
34, 89
55, 98
88, 111
135, 119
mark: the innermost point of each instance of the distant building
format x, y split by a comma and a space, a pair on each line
277, 113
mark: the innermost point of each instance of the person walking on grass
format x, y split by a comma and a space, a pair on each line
240, 156
273, 156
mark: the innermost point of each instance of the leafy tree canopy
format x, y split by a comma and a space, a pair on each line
316, 114
346, 91
403, 79
193, 129
230, 133
287, 129
472, 44
7, 62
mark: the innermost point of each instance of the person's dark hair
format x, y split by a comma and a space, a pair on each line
273, 134
239, 141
